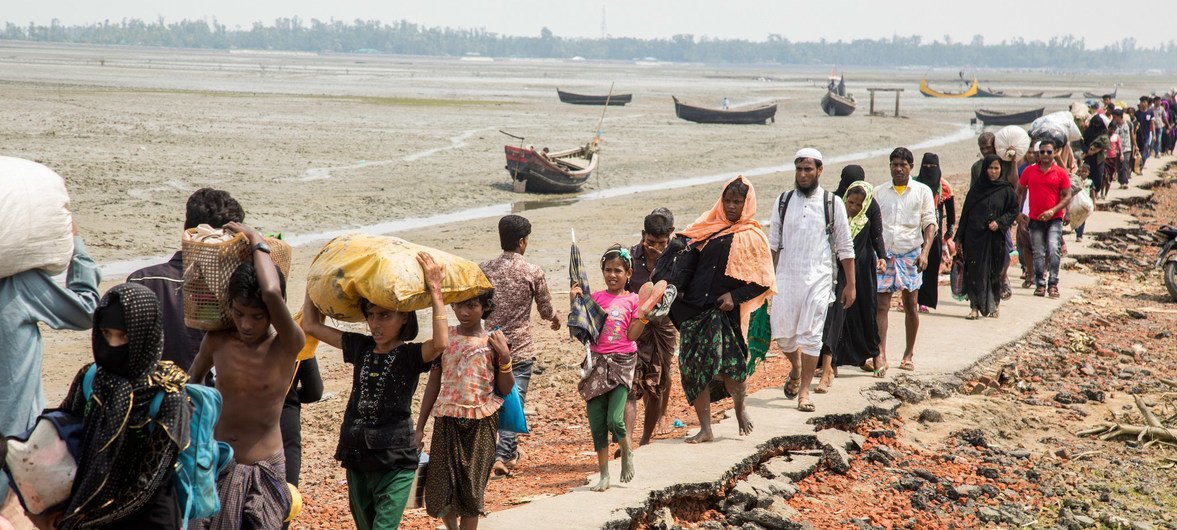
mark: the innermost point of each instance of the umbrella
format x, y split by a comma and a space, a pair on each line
585, 317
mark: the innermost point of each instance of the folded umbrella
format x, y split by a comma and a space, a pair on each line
585, 317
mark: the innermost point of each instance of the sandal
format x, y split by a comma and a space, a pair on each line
499, 470
805, 406
995, 313
823, 386
1040, 291
792, 386
1054, 291
868, 366
907, 365
881, 372
973, 315
1026, 284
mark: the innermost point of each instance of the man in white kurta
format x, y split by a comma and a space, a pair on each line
805, 271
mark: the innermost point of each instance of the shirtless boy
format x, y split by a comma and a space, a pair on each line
254, 368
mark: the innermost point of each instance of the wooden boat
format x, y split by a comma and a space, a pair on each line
1066, 95
836, 105
927, 91
1031, 95
990, 117
618, 100
984, 93
1093, 95
752, 114
554, 172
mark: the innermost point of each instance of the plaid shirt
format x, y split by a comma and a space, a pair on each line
516, 283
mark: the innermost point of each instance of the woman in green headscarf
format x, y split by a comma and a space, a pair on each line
859, 344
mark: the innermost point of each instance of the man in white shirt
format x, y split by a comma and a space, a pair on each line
805, 239
909, 224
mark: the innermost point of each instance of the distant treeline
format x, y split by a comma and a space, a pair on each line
403, 37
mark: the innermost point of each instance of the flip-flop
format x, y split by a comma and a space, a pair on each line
881, 372
907, 365
868, 366
789, 382
807, 406
650, 296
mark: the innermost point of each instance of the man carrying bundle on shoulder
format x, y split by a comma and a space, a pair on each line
255, 361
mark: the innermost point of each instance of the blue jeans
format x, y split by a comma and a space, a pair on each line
1156, 143
1144, 145
508, 446
1046, 238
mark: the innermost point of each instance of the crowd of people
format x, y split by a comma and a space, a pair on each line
819, 281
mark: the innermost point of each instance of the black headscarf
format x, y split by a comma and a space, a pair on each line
930, 177
982, 188
119, 472
850, 174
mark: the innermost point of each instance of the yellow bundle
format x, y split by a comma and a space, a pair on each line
384, 270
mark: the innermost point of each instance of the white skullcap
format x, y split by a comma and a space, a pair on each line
808, 152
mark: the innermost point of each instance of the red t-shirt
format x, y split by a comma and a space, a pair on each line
1045, 189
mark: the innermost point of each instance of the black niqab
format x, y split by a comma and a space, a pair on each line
850, 174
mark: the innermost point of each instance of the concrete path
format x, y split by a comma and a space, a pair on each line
947, 344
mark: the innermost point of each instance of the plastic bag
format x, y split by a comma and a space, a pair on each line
384, 270
1065, 122
956, 278
511, 417
1052, 134
36, 229
1011, 142
1081, 206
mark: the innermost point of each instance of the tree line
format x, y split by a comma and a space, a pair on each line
404, 37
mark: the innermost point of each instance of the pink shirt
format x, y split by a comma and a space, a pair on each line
619, 311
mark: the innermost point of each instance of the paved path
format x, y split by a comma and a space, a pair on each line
947, 344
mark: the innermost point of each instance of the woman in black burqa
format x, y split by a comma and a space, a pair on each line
945, 218
990, 208
858, 342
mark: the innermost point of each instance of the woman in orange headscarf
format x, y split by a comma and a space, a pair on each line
724, 275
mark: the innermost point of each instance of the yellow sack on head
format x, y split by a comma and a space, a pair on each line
384, 270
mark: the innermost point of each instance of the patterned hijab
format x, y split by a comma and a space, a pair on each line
126, 453
859, 221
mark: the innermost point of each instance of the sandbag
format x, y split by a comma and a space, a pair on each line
1063, 119
207, 268
1011, 142
36, 229
384, 270
1081, 206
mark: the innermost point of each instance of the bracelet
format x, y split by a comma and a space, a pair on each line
504, 368
643, 321
440, 317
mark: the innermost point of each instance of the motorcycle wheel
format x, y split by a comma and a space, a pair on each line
1171, 279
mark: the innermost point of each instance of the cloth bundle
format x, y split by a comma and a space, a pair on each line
36, 229
384, 270
1081, 206
1061, 121
210, 257
1011, 142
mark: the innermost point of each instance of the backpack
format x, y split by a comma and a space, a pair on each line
201, 462
828, 199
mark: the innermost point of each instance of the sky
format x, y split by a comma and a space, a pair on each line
796, 20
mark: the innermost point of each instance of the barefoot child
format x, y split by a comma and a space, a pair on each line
377, 444
254, 368
606, 386
463, 396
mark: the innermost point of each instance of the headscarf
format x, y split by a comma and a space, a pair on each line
749, 259
982, 188
850, 174
930, 177
118, 473
859, 221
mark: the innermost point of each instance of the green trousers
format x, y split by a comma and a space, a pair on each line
606, 414
378, 498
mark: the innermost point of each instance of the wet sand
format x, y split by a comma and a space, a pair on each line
311, 144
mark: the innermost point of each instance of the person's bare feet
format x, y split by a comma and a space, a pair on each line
663, 427
703, 436
744, 421
626, 465
827, 379
603, 484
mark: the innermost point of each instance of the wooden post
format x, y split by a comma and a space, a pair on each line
896, 104
872, 101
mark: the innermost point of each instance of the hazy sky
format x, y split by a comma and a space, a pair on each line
750, 19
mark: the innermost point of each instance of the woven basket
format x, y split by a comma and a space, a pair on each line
207, 268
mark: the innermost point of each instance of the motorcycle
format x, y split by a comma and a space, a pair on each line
1167, 258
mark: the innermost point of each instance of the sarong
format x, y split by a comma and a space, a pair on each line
655, 352
609, 371
902, 273
253, 497
460, 465
711, 345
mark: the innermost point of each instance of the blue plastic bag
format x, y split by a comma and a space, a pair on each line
511, 416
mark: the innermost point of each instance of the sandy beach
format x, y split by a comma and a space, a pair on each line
312, 144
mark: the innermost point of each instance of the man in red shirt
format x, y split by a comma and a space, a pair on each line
1049, 189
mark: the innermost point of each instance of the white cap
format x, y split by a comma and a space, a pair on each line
808, 152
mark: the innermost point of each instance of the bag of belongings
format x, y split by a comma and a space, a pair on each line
36, 228
1011, 142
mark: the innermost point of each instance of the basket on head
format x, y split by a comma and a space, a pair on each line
207, 268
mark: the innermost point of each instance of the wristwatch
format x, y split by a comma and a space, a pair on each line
262, 247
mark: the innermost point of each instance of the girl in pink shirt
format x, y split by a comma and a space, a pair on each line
606, 386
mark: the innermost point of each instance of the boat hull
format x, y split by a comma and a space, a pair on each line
756, 115
928, 92
543, 174
616, 100
835, 105
989, 117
